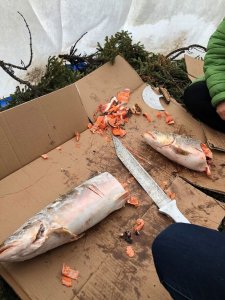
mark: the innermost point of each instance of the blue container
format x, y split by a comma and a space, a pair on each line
5, 101
77, 67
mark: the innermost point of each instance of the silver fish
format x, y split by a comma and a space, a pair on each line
65, 219
183, 150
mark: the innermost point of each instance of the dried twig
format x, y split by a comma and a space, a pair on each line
73, 49
8, 67
181, 50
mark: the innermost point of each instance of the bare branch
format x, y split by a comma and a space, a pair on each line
10, 71
31, 51
73, 49
181, 50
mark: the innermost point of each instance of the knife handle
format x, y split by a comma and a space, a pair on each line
172, 211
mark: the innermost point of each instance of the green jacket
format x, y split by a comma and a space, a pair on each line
214, 65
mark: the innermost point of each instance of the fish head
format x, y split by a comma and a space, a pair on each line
23, 242
158, 139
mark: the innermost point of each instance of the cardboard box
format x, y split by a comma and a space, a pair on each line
29, 183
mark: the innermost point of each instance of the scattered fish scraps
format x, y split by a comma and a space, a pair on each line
66, 281
165, 184
112, 115
139, 226
130, 251
181, 149
133, 201
169, 120
149, 119
171, 195
127, 236
159, 115
60, 222
89, 126
77, 136
44, 156
136, 110
119, 132
124, 95
68, 272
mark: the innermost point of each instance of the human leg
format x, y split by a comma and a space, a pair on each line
190, 262
198, 101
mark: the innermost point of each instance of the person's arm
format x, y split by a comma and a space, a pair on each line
214, 68
220, 109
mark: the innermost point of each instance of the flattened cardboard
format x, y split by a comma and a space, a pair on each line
184, 125
215, 139
39, 278
34, 128
199, 208
105, 270
99, 86
194, 67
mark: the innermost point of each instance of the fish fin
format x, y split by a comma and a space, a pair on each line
65, 233
179, 150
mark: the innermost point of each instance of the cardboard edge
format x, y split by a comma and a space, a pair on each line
194, 67
51, 138
13, 284
200, 186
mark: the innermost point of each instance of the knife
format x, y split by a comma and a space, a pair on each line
151, 98
165, 204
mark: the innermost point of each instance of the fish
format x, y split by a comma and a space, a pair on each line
65, 219
184, 150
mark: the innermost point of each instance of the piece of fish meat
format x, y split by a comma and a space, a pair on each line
183, 150
65, 219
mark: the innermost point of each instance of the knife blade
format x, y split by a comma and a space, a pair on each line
151, 98
165, 204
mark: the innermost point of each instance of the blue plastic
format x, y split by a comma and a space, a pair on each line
77, 67
5, 101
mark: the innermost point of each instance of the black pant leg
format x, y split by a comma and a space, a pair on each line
198, 102
190, 262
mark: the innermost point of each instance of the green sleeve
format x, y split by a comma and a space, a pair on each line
214, 65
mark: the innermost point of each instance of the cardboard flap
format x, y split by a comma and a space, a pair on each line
194, 67
199, 208
105, 82
7, 165
215, 139
100, 256
35, 127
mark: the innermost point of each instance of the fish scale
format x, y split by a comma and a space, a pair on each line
65, 219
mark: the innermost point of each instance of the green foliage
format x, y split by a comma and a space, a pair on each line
121, 44
56, 76
154, 69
